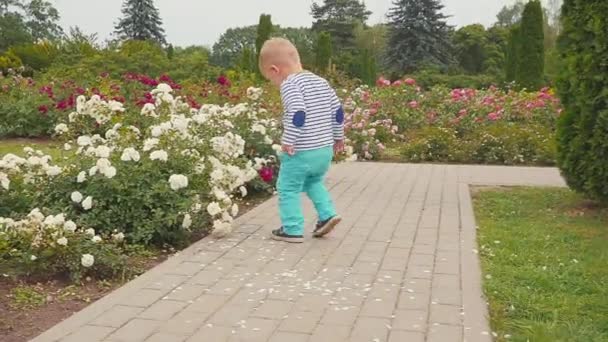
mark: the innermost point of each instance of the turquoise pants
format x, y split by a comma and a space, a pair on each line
304, 172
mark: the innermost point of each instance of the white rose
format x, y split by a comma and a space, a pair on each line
83, 140
4, 181
234, 210
96, 239
243, 191
214, 208
63, 241
268, 140
61, 128
82, 176
187, 221
90, 232
70, 226
76, 197
109, 172
87, 204
178, 182
130, 154
164, 88
156, 131
116, 106
33, 258
102, 151
149, 144
159, 155
67, 146
258, 128
148, 110
87, 260
93, 171
118, 237
53, 171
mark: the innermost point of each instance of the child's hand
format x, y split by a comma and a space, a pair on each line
288, 149
338, 146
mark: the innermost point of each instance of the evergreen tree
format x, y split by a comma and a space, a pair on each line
583, 126
531, 51
323, 59
367, 67
512, 57
339, 18
247, 62
418, 33
264, 31
141, 21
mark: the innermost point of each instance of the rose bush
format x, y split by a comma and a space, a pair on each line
153, 176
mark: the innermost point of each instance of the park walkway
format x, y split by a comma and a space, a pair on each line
401, 267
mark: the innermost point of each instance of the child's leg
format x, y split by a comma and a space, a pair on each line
292, 175
315, 189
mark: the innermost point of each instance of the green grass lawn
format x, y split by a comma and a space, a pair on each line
544, 254
15, 146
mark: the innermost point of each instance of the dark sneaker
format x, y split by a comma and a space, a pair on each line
280, 235
325, 227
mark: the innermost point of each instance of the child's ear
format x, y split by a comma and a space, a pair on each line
274, 69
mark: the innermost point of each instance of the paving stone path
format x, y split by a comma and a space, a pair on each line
401, 267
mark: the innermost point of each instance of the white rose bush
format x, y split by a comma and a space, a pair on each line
151, 177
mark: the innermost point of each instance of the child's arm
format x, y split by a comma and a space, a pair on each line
338, 123
294, 117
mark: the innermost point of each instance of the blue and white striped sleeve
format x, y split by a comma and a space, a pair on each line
294, 117
338, 117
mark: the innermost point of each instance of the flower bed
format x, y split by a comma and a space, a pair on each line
491, 126
148, 177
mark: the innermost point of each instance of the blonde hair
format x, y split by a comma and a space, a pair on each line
279, 51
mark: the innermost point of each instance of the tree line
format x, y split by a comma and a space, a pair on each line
519, 47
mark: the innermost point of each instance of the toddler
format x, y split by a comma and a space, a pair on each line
313, 124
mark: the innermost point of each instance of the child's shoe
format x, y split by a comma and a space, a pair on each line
280, 235
325, 227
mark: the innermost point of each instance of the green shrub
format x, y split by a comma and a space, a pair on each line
45, 246
583, 127
501, 143
433, 144
24, 111
511, 144
429, 79
36, 56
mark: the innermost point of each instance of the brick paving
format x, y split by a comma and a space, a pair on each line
401, 267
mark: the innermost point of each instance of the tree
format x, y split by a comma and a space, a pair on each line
323, 52
140, 21
367, 67
496, 50
24, 22
304, 39
512, 56
264, 31
13, 31
531, 51
339, 18
418, 34
470, 43
41, 19
248, 61
510, 15
583, 126
228, 50
372, 38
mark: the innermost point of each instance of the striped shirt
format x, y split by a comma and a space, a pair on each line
313, 117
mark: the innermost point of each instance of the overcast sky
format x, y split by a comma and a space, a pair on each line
201, 22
